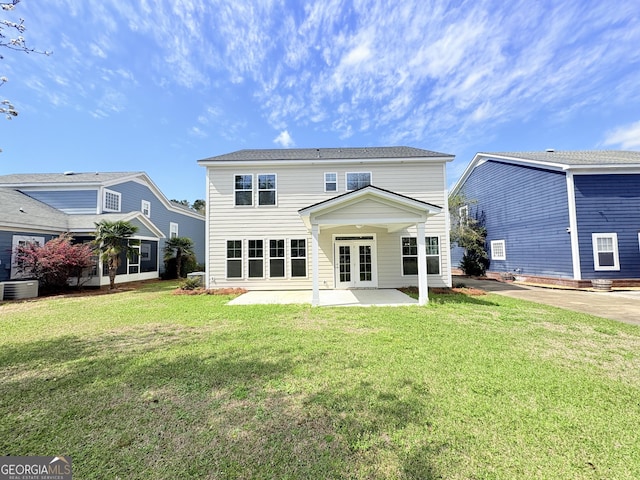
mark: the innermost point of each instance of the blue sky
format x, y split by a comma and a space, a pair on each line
156, 85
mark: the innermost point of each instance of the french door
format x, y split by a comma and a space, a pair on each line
355, 263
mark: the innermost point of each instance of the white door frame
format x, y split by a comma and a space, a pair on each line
354, 243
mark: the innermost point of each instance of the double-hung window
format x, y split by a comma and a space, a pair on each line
605, 251
299, 258
266, 189
234, 258
276, 259
357, 180
111, 201
410, 255
256, 259
173, 230
243, 188
145, 208
330, 182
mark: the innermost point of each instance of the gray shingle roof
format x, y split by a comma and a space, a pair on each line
326, 153
18, 209
576, 157
57, 178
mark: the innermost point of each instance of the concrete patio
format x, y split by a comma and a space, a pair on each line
329, 298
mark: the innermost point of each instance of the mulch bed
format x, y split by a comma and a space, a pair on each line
210, 291
473, 292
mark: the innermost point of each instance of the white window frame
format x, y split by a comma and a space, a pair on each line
278, 258
234, 259
252, 259
427, 255
296, 257
346, 180
274, 189
463, 214
334, 182
118, 195
173, 229
596, 258
498, 250
145, 208
236, 190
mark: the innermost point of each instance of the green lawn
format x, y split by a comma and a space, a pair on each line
145, 384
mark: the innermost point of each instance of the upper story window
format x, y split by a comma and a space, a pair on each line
330, 182
266, 189
146, 208
111, 201
173, 230
356, 180
243, 186
605, 251
463, 213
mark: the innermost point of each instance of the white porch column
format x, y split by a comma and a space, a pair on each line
315, 298
423, 292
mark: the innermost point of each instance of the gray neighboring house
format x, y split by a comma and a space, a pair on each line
38, 207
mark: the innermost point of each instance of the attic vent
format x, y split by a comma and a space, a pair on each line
550, 150
68, 172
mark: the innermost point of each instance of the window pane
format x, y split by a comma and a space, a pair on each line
409, 246
605, 259
234, 249
243, 198
298, 248
276, 248
243, 182
256, 268
266, 182
234, 268
255, 249
298, 267
358, 180
605, 244
433, 265
267, 198
410, 266
276, 268
432, 246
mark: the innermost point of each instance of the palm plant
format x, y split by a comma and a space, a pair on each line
112, 238
181, 248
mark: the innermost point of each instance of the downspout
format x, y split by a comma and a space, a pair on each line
207, 234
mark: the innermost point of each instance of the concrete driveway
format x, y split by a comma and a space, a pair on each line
329, 298
622, 305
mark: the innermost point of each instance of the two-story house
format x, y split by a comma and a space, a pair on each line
328, 218
566, 217
39, 207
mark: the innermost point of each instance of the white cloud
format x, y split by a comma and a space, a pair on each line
626, 137
284, 139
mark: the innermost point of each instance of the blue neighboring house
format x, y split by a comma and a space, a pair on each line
38, 207
562, 217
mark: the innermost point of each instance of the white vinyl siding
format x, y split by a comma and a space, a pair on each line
111, 201
226, 222
605, 251
498, 250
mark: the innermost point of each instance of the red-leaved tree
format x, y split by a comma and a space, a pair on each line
55, 262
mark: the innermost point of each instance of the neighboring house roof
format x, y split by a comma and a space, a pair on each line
326, 154
92, 179
591, 161
87, 223
21, 212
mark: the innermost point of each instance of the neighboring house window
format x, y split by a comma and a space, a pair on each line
410, 255
146, 208
22, 241
605, 251
463, 213
256, 259
356, 180
243, 186
111, 201
234, 258
134, 259
276, 258
145, 252
266, 189
298, 258
173, 230
331, 182
498, 250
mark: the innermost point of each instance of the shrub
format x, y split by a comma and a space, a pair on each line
191, 284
